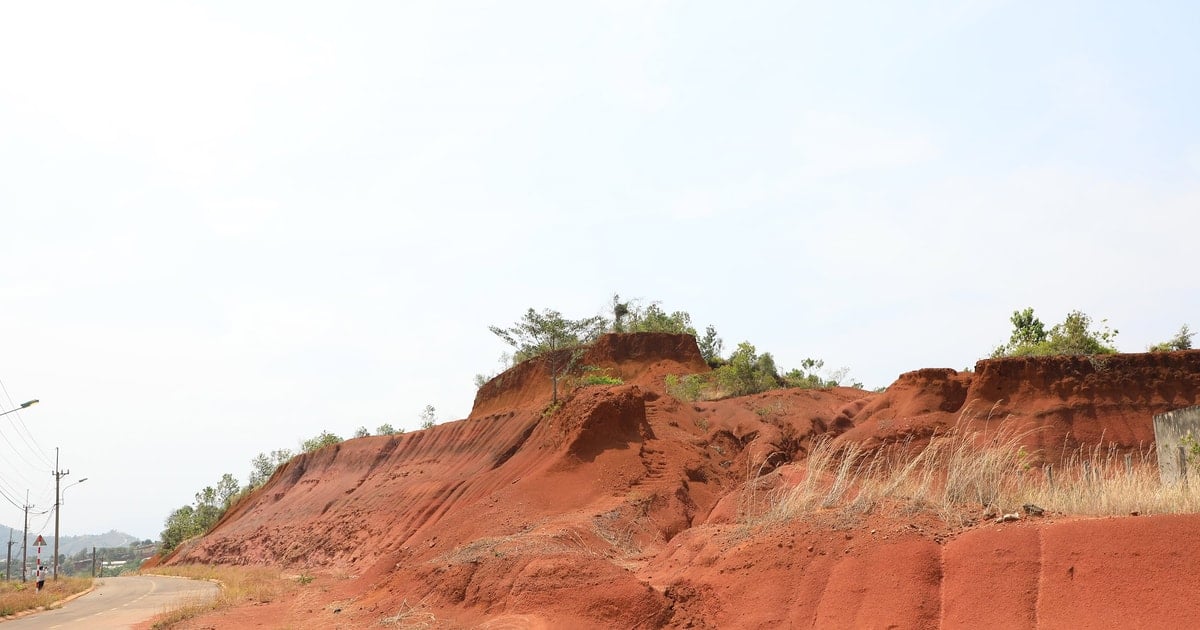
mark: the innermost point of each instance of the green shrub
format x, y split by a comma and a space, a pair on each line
321, 440
689, 387
748, 372
595, 375
1074, 336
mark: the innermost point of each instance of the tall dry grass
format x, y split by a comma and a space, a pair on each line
239, 585
967, 473
16, 596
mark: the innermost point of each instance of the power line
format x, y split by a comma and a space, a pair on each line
35, 447
10, 499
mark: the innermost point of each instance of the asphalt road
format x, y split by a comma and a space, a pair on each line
118, 603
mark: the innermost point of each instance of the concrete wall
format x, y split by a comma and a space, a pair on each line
1169, 430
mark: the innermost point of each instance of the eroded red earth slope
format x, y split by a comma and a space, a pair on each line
621, 510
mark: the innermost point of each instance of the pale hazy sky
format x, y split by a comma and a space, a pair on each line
231, 225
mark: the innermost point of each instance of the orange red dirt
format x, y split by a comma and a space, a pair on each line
621, 510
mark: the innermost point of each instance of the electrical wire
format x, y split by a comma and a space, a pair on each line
35, 447
10, 500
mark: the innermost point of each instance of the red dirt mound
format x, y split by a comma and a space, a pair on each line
624, 508
641, 359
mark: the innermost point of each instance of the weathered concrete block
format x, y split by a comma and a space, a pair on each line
1171, 430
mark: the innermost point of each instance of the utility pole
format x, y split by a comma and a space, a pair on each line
8, 558
58, 475
25, 537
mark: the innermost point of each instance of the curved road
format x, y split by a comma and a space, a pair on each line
118, 603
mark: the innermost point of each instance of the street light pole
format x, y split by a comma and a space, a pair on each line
57, 509
23, 406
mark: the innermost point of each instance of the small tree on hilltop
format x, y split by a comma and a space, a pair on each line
428, 417
710, 347
548, 333
1181, 341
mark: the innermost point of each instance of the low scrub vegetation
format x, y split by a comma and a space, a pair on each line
1181, 341
563, 342
747, 372
596, 375
1075, 335
17, 596
240, 585
966, 475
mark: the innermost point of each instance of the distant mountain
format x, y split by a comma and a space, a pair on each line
67, 545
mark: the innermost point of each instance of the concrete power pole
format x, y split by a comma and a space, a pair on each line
8, 558
25, 537
58, 475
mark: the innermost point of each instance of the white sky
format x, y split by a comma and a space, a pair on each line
230, 225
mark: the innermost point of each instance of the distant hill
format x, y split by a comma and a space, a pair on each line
67, 545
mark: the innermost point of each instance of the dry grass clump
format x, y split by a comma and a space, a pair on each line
411, 617
16, 596
965, 474
239, 585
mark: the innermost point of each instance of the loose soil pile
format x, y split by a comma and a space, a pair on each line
627, 508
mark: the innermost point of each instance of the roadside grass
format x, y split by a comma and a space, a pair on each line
16, 596
965, 475
239, 585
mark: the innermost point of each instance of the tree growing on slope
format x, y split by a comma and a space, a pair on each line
560, 340
264, 465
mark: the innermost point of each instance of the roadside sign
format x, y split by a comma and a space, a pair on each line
40, 542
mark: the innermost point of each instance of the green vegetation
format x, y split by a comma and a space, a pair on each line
319, 441
1074, 336
595, 375
263, 466
1181, 341
747, 372
212, 502
387, 429
198, 518
710, 347
628, 316
548, 334
563, 341
428, 417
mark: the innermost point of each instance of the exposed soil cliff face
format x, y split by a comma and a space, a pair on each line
622, 509
1065, 402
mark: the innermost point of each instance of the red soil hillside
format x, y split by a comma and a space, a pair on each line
622, 509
